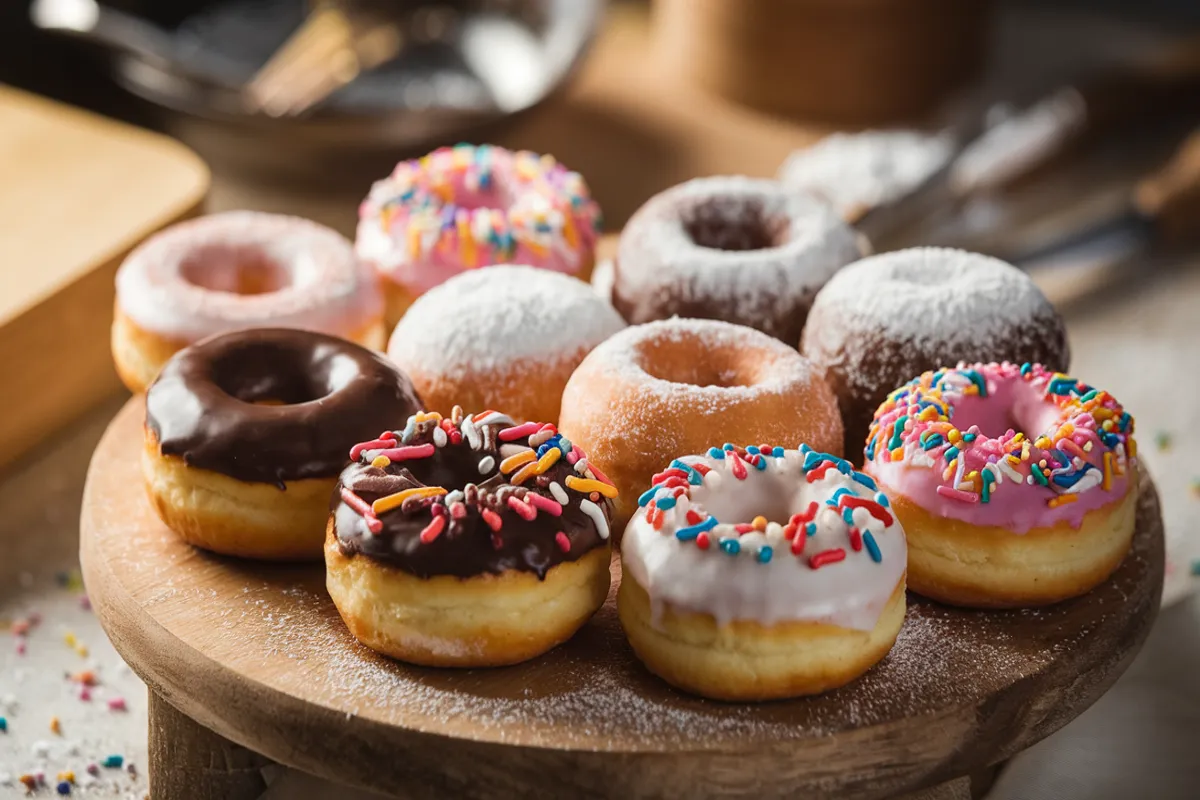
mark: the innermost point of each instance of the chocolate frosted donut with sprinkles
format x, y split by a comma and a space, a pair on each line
468, 540
889, 317
758, 572
742, 250
1017, 485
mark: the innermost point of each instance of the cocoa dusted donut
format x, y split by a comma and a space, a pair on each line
246, 434
889, 317
736, 249
468, 540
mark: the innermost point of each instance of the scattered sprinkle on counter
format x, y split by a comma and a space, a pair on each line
1163, 440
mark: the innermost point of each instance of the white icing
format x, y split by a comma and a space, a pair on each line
325, 287
851, 593
860, 171
491, 319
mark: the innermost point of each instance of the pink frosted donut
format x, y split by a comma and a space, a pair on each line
1017, 485
237, 270
472, 206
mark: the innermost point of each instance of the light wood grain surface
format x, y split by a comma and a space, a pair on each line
78, 191
258, 653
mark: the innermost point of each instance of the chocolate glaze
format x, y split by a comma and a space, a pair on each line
203, 407
467, 546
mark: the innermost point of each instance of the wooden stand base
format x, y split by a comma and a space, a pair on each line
189, 761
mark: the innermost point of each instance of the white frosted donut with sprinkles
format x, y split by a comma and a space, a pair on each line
759, 572
238, 270
1016, 484
463, 207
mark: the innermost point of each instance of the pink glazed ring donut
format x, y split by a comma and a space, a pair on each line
1017, 486
237, 270
470, 206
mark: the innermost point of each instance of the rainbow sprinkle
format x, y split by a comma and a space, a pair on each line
1089, 443
478, 205
671, 506
516, 463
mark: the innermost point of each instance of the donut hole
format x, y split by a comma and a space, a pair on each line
268, 374
1017, 408
695, 363
237, 270
734, 227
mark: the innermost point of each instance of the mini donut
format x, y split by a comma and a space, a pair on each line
469, 206
1017, 485
759, 573
741, 250
505, 337
669, 387
236, 270
247, 432
861, 171
468, 541
891, 316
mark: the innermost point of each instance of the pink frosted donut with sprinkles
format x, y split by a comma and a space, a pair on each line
754, 573
1017, 485
470, 206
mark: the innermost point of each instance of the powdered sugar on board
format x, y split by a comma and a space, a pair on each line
491, 319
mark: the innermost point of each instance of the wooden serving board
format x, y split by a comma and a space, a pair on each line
79, 191
257, 653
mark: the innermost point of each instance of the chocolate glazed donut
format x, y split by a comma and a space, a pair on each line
274, 405
246, 433
736, 249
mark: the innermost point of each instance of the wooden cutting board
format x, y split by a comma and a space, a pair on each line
77, 192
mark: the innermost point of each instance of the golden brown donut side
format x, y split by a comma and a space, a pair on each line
444, 621
976, 566
746, 661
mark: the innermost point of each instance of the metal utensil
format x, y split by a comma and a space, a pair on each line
505, 56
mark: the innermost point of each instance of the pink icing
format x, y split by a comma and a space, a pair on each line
1080, 439
186, 282
464, 207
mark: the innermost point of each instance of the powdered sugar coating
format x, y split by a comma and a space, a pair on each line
325, 288
786, 245
887, 318
489, 320
860, 171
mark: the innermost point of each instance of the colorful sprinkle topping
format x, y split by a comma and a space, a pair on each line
1085, 442
516, 464
850, 504
479, 205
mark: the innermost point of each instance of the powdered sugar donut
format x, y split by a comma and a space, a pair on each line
759, 572
468, 206
860, 171
505, 337
655, 390
1017, 485
237, 270
889, 317
737, 249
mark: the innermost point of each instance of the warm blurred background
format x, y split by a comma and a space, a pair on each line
1057, 134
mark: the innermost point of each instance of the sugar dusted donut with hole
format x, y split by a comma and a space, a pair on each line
468, 540
1017, 485
463, 207
742, 250
246, 433
655, 390
237, 270
759, 573
504, 337
889, 317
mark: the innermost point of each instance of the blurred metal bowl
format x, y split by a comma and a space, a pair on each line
495, 58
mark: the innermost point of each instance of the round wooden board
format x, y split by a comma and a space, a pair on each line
257, 653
